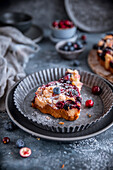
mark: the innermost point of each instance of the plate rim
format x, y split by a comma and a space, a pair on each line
67, 139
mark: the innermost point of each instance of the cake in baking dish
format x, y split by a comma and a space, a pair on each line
62, 98
105, 52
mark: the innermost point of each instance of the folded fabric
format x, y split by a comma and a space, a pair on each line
15, 51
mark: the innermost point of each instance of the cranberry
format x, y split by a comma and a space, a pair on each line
96, 90
55, 24
6, 140
83, 37
60, 104
108, 52
67, 77
25, 152
89, 103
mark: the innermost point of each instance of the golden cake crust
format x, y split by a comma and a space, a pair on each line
59, 113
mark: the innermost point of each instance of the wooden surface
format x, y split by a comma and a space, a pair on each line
97, 68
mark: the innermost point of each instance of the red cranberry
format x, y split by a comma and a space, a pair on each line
66, 77
25, 152
89, 103
83, 37
60, 105
55, 24
6, 140
96, 90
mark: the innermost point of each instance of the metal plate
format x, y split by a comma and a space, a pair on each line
32, 129
90, 15
25, 93
35, 33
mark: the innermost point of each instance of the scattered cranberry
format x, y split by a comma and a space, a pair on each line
83, 37
96, 90
89, 103
6, 140
25, 152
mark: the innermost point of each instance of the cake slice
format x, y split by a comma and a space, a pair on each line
61, 98
105, 52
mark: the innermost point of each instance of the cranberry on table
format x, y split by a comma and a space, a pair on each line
25, 152
83, 37
96, 90
89, 103
6, 140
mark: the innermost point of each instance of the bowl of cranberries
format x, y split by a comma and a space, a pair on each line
63, 29
69, 49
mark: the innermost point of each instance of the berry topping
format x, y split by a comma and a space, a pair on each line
76, 63
79, 99
20, 143
9, 126
96, 90
56, 90
60, 105
68, 82
89, 103
25, 152
6, 140
111, 64
83, 37
95, 46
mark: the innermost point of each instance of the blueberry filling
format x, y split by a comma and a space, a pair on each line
79, 99
111, 64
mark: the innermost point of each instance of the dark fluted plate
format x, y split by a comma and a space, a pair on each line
29, 127
90, 15
26, 89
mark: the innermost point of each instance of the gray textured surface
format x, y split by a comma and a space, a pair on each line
100, 17
95, 153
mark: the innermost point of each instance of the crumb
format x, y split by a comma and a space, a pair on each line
89, 115
47, 117
38, 138
61, 123
62, 166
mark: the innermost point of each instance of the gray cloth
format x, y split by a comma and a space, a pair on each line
15, 51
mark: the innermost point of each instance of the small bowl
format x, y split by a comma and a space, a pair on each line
19, 20
63, 33
69, 55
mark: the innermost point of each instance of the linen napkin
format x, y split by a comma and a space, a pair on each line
15, 51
